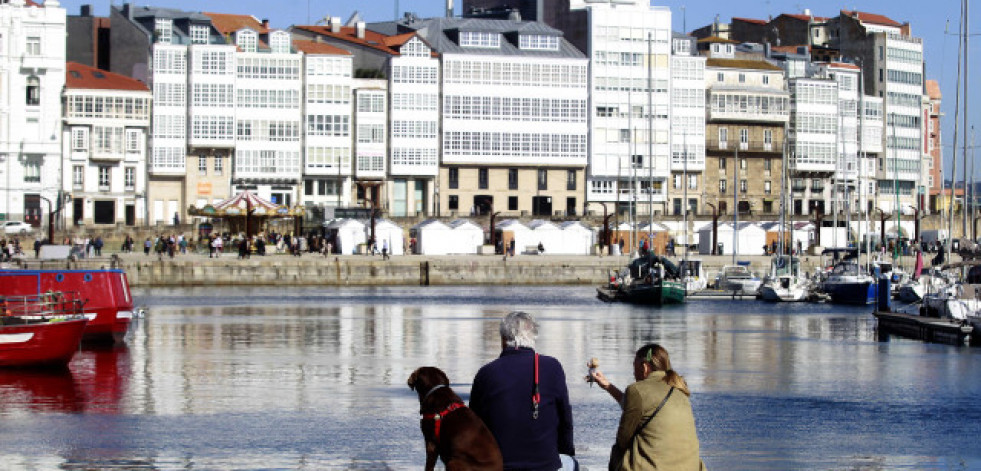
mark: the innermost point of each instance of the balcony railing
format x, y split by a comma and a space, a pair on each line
751, 146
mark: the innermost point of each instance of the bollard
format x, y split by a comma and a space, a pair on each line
883, 295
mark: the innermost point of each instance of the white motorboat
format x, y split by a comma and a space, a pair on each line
784, 282
693, 275
739, 280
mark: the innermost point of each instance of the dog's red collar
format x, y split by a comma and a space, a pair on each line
438, 417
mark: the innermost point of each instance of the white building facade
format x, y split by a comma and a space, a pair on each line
687, 126
630, 47
106, 127
32, 53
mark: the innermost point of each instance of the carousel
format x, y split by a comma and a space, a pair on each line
247, 213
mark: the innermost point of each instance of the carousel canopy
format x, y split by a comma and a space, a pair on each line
239, 204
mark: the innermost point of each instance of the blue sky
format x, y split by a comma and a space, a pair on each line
928, 19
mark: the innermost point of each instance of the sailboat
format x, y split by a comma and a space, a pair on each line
649, 279
784, 283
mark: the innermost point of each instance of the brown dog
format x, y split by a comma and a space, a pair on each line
452, 431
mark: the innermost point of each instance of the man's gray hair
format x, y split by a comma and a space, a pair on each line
519, 329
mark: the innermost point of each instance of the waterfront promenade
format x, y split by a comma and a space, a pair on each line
197, 269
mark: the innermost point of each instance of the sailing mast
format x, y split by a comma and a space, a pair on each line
957, 109
650, 144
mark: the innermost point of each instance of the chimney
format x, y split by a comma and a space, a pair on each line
85, 10
265, 23
449, 8
335, 24
514, 15
807, 12
360, 29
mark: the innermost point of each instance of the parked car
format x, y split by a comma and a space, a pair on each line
17, 228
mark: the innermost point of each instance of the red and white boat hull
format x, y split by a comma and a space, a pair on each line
40, 344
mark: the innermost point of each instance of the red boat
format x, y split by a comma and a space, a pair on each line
105, 296
42, 330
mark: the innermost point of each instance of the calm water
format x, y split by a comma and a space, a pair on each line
316, 379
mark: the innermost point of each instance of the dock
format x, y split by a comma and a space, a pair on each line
929, 329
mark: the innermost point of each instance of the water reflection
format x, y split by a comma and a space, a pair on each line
315, 379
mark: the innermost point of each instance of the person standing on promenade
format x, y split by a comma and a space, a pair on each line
657, 426
523, 399
385, 249
37, 248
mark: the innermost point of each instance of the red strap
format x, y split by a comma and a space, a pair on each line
536, 396
438, 417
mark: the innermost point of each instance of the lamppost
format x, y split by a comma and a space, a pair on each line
715, 229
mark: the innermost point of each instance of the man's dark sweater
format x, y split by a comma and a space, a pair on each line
502, 397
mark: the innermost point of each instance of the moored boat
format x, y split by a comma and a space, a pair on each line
848, 283
738, 279
649, 280
784, 282
107, 302
40, 330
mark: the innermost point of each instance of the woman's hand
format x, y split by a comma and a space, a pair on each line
596, 376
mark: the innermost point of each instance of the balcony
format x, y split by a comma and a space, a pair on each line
751, 146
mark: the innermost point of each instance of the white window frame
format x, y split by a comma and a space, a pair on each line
105, 176
247, 40
33, 46
129, 178
200, 34
163, 29
80, 138
132, 141
78, 176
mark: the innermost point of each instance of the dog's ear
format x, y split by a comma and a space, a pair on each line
412, 380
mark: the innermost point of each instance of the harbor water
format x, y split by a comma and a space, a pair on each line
315, 379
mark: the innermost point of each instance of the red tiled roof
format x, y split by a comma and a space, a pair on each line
398, 40
371, 39
31, 3
313, 47
933, 89
871, 18
81, 76
750, 20
843, 65
228, 23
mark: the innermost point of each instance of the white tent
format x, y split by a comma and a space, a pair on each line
467, 237
433, 237
751, 238
523, 236
348, 234
390, 232
577, 239
547, 234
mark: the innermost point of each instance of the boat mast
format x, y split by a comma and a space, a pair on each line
957, 109
967, 54
735, 204
685, 183
632, 149
650, 143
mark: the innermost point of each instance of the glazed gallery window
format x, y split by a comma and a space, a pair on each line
163, 30
199, 34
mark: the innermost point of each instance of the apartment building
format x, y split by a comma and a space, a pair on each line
32, 48
402, 177
747, 113
327, 175
514, 115
106, 127
687, 125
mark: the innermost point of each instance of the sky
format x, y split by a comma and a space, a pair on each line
935, 22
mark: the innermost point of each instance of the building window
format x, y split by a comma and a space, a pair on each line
308, 188
742, 78
766, 80
480, 39
482, 178
768, 137
570, 181
454, 178
742, 164
132, 141
33, 46
80, 139
163, 30
279, 42
512, 203
33, 91
129, 178
202, 165
78, 177
722, 186
721, 77
744, 136
723, 136
199, 34
766, 187
219, 164
743, 187
246, 40
692, 182
105, 173
542, 179
722, 164
454, 203
512, 179
677, 183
